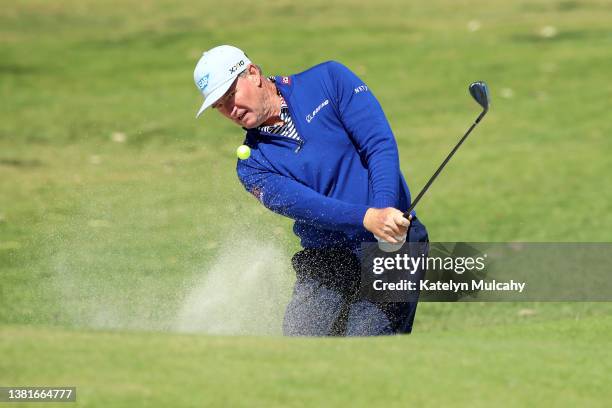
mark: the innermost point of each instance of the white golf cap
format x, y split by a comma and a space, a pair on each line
216, 70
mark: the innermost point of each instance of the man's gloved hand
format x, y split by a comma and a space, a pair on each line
387, 224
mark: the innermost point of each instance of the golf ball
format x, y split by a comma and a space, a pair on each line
243, 152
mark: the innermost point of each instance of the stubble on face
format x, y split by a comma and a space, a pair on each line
265, 108
255, 101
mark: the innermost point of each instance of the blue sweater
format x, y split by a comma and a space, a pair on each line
345, 162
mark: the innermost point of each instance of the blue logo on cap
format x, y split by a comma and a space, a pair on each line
203, 82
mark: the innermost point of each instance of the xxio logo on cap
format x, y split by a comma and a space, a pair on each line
203, 82
236, 66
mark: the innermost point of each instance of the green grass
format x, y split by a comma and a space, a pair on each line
100, 234
542, 364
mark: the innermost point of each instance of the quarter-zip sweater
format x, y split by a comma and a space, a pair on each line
344, 162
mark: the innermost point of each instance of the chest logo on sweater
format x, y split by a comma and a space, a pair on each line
311, 116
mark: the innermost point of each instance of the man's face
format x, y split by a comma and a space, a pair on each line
243, 103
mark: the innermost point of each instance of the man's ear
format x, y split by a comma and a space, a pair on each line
254, 75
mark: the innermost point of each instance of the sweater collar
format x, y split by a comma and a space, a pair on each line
284, 85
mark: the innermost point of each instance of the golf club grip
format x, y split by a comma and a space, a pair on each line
431, 180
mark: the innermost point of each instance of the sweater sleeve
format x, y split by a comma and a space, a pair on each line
292, 199
365, 121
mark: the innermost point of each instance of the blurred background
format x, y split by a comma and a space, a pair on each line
120, 211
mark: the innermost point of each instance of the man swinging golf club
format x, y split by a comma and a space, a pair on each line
323, 154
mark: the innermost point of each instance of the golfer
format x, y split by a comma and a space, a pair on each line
324, 155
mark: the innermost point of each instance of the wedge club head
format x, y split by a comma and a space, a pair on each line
480, 92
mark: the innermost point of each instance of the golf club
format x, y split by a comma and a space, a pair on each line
480, 92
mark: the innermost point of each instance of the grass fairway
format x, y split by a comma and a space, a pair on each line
531, 364
119, 212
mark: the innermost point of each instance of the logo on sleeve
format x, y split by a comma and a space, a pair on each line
361, 88
256, 191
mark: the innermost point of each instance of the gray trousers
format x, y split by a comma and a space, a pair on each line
323, 301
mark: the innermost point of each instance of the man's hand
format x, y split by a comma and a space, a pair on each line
387, 224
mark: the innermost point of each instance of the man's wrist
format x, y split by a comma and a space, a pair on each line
384, 202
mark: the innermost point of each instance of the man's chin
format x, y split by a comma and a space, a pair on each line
243, 124
249, 122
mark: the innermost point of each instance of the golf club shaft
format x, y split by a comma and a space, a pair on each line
431, 180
